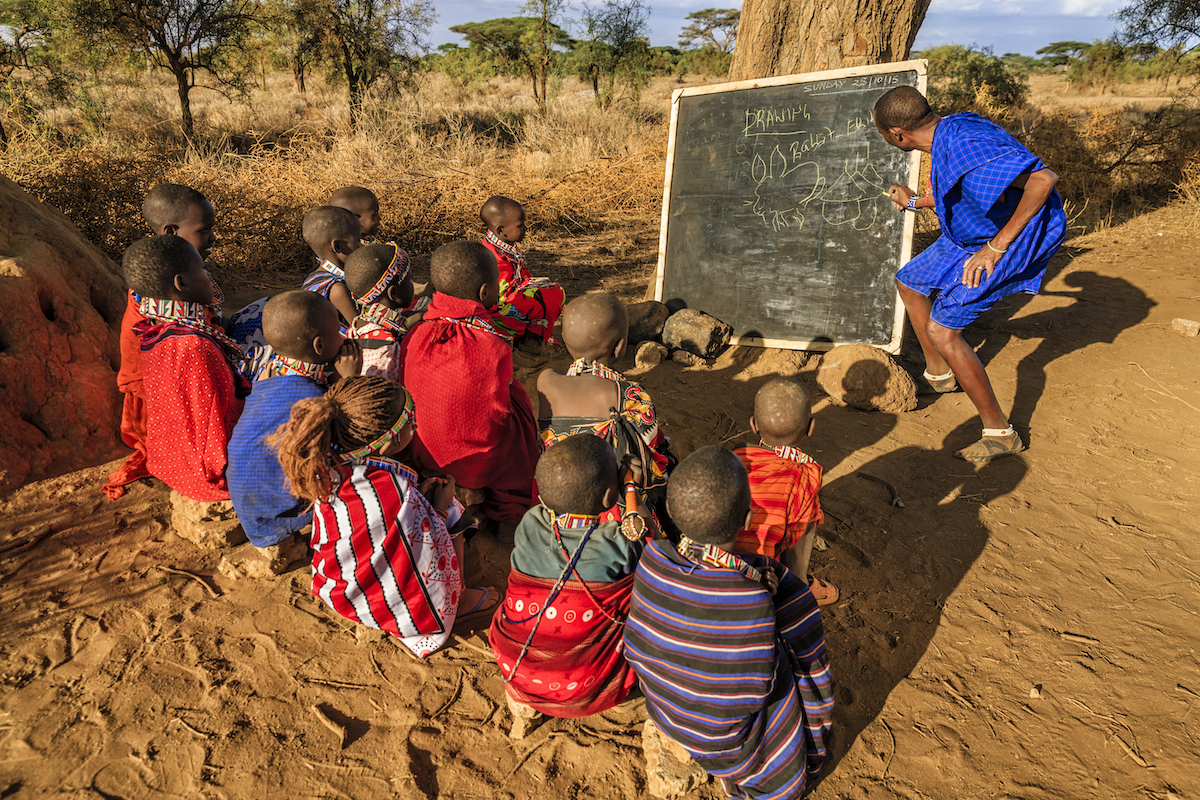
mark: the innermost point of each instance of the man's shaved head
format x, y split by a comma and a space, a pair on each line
325, 224
594, 324
168, 204
903, 107
708, 495
497, 209
461, 268
574, 475
782, 410
292, 320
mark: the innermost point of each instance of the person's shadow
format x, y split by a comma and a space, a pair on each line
904, 562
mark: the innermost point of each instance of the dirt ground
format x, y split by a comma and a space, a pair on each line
1025, 629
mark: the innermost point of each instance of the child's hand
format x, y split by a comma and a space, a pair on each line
632, 469
439, 491
349, 360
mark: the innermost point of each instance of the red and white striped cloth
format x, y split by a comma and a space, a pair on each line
383, 558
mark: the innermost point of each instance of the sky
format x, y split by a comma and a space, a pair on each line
1007, 26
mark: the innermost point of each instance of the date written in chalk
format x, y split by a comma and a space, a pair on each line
863, 82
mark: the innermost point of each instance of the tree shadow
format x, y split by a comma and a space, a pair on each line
896, 566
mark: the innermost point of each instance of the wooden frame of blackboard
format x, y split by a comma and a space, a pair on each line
920, 66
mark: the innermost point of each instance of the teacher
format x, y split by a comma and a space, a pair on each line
1001, 221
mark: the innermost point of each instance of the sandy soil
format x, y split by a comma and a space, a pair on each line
1016, 630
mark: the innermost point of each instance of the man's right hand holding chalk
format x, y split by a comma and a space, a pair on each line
905, 198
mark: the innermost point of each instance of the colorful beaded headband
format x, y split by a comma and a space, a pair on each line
406, 416
397, 269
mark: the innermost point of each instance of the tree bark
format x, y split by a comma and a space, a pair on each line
184, 87
786, 37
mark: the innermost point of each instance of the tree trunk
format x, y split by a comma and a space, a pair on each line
786, 37
183, 86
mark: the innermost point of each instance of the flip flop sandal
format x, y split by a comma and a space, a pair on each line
990, 448
823, 592
941, 383
482, 612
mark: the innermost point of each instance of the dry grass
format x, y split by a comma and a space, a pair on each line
434, 157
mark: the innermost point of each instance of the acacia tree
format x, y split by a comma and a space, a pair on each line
517, 42
712, 27
783, 37
1166, 23
616, 32
366, 41
27, 26
184, 37
540, 40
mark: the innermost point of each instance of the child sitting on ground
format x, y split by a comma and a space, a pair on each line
594, 398
528, 306
477, 422
333, 234
190, 368
379, 277
302, 328
557, 635
784, 483
383, 556
729, 650
362, 203
184, 212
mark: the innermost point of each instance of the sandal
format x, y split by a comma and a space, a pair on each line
942, 383
481, 612
992, 446
823, 592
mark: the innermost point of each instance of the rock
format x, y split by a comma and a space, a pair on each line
468, 497
211, 525
1188, 327
61, 302
248, 561
866, 377
646, 321
686, 358
696, 332
670, 771
649, 356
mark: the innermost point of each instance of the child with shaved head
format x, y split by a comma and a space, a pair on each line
729, 650
477, 423
362, 203
379, 277
784, 482
333, 234
302, 329
557, 635
169, 208
529, 306
594, 398
190, 368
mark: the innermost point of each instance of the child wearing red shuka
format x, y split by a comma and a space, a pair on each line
528, 306
784, 482
558, 634
186, 213
382, 553
477, 423
190, 368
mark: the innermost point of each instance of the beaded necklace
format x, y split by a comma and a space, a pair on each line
388, 318
333, 269
282, 365
715, 556
512, 251
475, 323
192, 316
582, 367
788, 452
382, 462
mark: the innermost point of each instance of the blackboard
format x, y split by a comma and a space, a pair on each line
775, 213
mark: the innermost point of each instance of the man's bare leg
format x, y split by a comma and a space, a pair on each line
918, 307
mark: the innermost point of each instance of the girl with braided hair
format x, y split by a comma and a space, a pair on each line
382, 553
